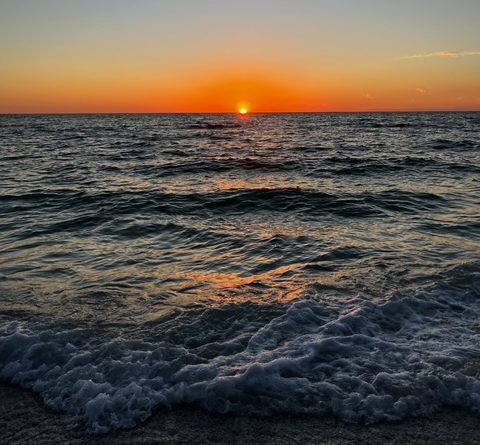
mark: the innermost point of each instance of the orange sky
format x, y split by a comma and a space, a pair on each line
149, 56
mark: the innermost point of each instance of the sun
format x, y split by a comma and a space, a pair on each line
243, 110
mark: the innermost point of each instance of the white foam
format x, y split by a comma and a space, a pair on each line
405, 356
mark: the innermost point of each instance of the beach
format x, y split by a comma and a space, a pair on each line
24, 420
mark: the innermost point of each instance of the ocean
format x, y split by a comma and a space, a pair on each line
321, 264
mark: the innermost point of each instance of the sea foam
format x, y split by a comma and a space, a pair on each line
406, 355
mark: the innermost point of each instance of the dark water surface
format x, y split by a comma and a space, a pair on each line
271, 263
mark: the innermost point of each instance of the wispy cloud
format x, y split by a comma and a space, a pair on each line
368, 96
421, 90
443, 55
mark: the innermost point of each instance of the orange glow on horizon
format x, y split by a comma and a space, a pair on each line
269, 88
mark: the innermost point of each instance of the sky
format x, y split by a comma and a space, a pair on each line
90, 56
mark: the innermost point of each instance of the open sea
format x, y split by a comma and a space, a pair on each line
323, 264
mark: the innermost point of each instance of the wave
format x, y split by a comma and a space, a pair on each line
392, 125
453, 144
109, 212
217, 166
371, 166
409, 355
331, 166
213, 126
465, 229
312, 202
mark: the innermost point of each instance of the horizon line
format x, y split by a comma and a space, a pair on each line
73, 113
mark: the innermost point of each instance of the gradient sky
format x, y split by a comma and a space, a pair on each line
215, 55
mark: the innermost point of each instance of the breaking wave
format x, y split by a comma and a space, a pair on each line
408, 355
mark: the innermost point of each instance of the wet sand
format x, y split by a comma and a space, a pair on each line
24, 420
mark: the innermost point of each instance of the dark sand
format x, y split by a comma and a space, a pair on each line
24, 420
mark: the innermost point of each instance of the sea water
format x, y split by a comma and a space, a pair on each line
323, 264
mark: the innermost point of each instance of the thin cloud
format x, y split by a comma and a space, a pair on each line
420, 90
444, 55
368, 96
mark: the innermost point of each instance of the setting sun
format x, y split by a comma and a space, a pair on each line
243, 110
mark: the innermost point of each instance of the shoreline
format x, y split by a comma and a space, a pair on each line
25, 420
